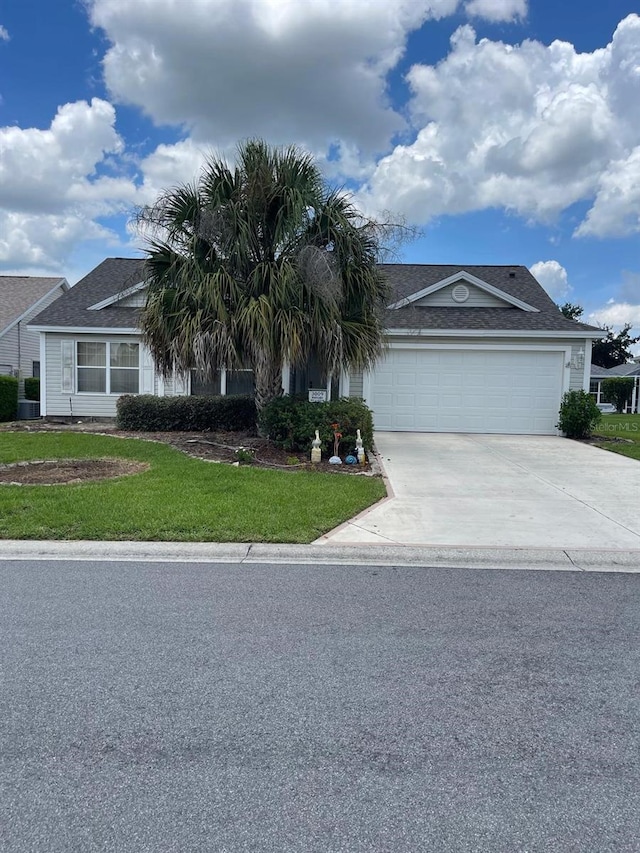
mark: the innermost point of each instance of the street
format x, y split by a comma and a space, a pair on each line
216, 707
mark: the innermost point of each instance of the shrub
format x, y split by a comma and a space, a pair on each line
8, 398
32, 388
146, 412
579, 414
292, 421
618, 390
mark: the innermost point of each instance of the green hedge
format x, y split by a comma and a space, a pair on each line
8, 398
292, 421
32, 388
150, 413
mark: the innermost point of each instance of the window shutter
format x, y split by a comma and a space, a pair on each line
66, 352
181, 383
146, 364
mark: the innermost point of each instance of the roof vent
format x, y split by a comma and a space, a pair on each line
460, 293
512, 273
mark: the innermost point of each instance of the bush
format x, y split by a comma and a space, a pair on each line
579, 414
149, 413
292, 421
8, 398
32, 388
618, 390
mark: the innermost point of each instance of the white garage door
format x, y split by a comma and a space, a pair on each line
449, 390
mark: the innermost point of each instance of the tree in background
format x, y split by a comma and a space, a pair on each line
618, 390
261, 265
571, 311
614, 348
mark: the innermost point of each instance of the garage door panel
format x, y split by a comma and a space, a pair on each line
511, 391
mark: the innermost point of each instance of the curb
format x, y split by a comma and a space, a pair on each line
540, 559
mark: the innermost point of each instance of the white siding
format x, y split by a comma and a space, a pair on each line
134, 300
59, 403
355, 383
478, 298
9, 349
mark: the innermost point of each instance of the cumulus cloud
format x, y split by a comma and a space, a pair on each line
4, 34
497, 10
314, 72
553, 277
530, 128
51, 189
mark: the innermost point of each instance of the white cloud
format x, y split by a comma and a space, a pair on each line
553, 277
530, 128
616, 209
4, 34
497, 10
51, 186
616, 315
313, 72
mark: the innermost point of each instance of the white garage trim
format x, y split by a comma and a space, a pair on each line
456, 415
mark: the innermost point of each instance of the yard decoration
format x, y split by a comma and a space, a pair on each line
335, 459
360, 448
316, 452
350, 460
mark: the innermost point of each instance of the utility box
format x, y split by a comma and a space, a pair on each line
28, 410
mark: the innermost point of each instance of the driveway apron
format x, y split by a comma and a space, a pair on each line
500, 490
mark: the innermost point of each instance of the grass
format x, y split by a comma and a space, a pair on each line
621, 426
179, 498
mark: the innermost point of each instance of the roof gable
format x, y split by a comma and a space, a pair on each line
122, 298
461, 285
20, 296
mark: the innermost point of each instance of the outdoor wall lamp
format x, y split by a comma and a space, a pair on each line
577, 360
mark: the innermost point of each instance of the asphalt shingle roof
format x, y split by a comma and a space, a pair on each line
19, 292
407, 279
114, 275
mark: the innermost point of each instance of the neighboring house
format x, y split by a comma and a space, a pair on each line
473, 349
631, 369
21, 298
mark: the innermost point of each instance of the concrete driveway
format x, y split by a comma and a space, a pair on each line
500, 490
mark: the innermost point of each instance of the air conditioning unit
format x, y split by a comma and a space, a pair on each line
28, 410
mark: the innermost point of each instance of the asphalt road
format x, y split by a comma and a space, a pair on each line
197, 707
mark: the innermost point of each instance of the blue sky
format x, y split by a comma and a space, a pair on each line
508, 131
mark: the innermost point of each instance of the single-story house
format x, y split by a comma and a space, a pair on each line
21, 298
470, 349
631, 370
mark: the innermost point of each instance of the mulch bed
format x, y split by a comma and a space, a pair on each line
54, 472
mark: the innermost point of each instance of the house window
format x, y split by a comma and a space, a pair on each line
35, 369
240, 382
593, 388
107, 368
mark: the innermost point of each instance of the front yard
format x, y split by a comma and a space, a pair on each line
178, 498
626, 428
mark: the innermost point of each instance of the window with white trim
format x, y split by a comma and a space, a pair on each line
107, 367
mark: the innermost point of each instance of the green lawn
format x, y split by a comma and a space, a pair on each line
621, 426
179, 498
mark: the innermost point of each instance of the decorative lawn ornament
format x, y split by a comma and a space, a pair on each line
337, 435
351, 460
360, 449
316, 452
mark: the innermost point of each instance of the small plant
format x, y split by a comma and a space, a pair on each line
579, 414
244, 455
32, 388
293, 460
619, 390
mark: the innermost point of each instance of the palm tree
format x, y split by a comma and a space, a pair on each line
260, 265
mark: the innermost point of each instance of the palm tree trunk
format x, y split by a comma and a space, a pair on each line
268, 382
